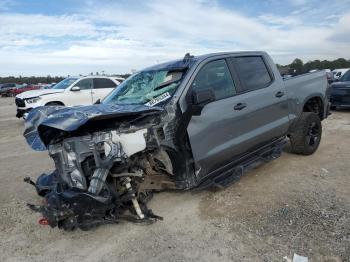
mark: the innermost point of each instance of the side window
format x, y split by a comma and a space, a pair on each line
84, 84
215, 75
103, 83
252, 72
346, 77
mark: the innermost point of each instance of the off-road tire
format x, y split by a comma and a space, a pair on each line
307, 134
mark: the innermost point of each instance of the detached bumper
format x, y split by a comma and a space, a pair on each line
21, 112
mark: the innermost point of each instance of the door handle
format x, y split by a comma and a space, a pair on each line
279, 94
239, 106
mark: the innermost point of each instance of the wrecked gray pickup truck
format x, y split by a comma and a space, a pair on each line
194, 123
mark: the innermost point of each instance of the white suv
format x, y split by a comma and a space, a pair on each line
71, 91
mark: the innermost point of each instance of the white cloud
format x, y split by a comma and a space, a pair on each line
280, 21
45, 25
139, 37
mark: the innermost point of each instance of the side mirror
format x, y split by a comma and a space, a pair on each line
200, 98
75, 88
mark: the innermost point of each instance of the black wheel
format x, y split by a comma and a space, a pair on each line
307, 135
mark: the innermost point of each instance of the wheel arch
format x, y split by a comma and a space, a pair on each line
315, 104
54, 102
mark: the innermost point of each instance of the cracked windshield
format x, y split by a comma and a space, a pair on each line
147, 87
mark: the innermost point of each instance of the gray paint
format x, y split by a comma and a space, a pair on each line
221, 133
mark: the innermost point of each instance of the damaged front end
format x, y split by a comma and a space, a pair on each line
103, 175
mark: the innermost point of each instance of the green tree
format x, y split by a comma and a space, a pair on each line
297, 66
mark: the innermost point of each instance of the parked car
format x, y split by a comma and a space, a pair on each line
338, 73
194, 123
69, 92
22, 89
340, 92
286, 76
4, 88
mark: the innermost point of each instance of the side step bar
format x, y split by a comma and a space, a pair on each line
224, 178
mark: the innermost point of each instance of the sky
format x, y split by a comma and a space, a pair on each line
71, 37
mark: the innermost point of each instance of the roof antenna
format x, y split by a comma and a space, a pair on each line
187, 57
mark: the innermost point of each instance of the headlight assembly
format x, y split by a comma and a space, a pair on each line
33, 100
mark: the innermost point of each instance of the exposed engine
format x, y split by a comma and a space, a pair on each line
102, 177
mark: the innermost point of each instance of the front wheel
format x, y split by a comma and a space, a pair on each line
307, 135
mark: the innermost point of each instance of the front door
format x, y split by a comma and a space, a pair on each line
81, 97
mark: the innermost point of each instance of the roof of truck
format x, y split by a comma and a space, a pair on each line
189, 60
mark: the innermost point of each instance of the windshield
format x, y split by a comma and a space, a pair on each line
65, 83
345, 77
146, 87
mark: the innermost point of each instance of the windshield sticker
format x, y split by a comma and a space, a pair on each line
158, 99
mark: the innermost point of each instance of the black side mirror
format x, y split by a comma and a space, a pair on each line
200, 98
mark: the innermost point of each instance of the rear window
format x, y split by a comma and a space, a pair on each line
252, 72
100, 83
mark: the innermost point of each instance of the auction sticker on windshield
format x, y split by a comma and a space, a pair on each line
158, 99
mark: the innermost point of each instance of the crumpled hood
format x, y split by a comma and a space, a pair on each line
71, 118
38, 92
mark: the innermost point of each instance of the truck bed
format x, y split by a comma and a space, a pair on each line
300, 88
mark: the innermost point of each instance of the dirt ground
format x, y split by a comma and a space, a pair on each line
295, 204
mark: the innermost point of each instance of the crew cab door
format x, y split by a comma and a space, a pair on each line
249, 110
102, 87
80, 96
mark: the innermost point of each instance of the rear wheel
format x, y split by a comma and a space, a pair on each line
307, 135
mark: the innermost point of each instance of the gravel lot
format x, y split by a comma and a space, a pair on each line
294, 204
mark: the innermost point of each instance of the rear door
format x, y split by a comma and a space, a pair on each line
248, 112
265, 97
102, 87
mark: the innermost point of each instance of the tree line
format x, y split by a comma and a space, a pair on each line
295, 68
31, 79
38, 79
299, 67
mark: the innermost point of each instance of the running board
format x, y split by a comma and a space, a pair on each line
221, 180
